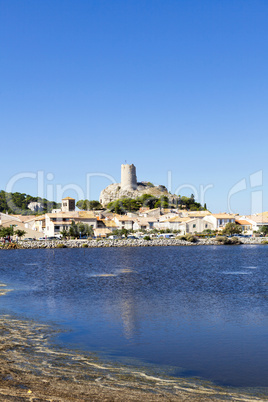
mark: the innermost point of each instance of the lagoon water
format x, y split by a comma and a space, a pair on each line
192, 311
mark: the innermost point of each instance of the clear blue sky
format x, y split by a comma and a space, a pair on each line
171, 86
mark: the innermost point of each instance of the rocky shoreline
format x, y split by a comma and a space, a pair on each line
37, 244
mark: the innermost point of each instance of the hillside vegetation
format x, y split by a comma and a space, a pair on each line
16, 203
124, 205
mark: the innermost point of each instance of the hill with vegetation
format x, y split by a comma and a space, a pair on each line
150, 201
17, 203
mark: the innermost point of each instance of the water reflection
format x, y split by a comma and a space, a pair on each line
202, 310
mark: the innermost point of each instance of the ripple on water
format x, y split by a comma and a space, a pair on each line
203, 309
236, 273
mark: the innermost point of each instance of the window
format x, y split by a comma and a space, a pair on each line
194, 225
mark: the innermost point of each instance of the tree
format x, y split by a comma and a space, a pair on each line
80, 229
64, 233
121, 232
163, 202
148, 200
264, 229
4, 232
232, 228
87, 205
85, 230
191, 203
116, 207
73, 231
20, 233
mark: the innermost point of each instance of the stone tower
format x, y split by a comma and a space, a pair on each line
128, 177
68, 204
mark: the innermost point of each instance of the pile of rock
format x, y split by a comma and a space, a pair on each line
126, 243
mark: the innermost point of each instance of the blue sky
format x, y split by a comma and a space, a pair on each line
179, 88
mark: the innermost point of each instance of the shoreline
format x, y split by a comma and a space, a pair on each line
33, 368
95, 243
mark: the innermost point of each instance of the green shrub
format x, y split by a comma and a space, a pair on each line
191, 238
221, 239
84, 245
264, 242
146, 238
227, 240
61, 245
188, 237
235, 240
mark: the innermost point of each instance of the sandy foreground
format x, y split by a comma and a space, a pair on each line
33, 368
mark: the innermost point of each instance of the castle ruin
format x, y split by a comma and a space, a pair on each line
131, 188
128, 177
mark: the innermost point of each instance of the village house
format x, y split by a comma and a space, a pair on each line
142, 223
145, 211
171, 223
123, 222
110, 224
219, 221
257, 221
186, 224
246, 226
19, 222
57, 222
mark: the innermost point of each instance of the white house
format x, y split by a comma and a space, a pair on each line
124, 222
219, 221
57, 222
257, 221
246, 226
142, 223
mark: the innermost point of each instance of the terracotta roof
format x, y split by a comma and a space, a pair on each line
258, 219
12, 222
199, 213
224, 216
263, 214
243, 222
68, 198
179, 219
73, 214
22, 218
109, 223
124, 218
86, 214
146, 218
39, 218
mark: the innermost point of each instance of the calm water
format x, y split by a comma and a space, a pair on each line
200, 311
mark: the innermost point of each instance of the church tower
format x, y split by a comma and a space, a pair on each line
68, 204
128, 177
